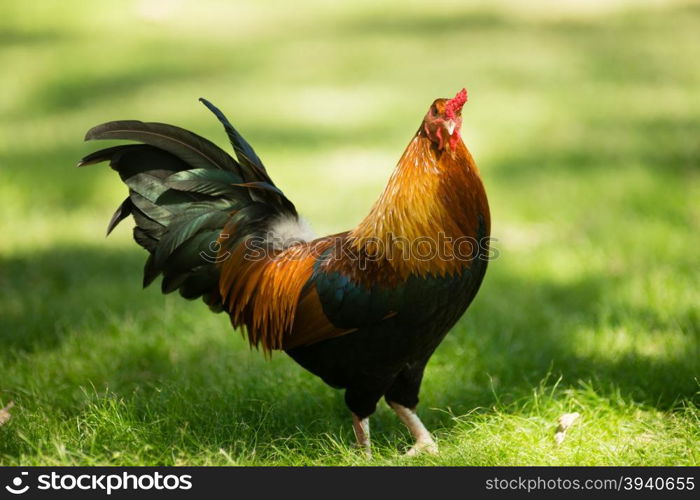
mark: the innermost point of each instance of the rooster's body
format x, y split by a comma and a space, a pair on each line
364, 310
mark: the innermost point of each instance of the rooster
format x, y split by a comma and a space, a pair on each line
365, 309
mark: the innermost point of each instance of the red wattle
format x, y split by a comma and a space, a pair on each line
439, 136
454, 139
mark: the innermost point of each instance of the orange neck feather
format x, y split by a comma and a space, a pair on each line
432, 198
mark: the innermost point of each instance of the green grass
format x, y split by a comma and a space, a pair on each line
585, 123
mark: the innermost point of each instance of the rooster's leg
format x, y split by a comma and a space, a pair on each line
424, 441
361, 427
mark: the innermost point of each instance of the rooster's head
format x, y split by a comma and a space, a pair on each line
443, 121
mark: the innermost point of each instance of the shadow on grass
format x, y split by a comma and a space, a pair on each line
442, 22
11, 36
48, 292
661, 144
519, 332
522, 331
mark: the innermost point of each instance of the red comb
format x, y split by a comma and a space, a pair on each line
455, 104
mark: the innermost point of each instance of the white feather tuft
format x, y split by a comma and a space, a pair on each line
287, 230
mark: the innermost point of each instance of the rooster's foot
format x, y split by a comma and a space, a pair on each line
424, 441
428, 447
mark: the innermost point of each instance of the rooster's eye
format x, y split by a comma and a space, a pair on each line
433, 110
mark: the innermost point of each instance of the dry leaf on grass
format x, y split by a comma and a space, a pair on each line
565, 421
5, 413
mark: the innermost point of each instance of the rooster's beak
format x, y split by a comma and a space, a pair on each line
450, 126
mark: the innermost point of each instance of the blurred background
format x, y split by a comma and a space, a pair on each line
584, 117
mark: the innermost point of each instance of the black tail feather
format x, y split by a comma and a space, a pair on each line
183, 190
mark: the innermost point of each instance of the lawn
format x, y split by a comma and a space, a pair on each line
584, 119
